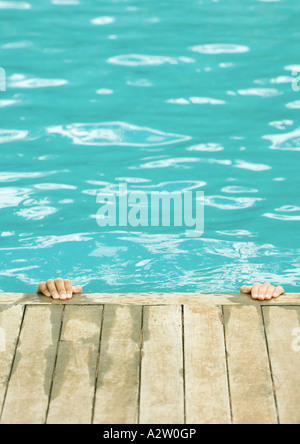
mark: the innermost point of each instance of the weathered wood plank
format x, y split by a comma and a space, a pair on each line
75, 374
250, 379
206, 382
149, 299
162, 393
117, 393
29, 386
10, 323
283, 335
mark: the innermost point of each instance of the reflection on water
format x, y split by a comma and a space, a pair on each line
140, 60
15, 5
164, 98
11, 135
20, 81
221, 48
115, 133
285, 141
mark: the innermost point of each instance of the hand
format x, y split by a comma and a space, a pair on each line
59, 289
262, 292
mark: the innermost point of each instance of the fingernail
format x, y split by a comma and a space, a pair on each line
63, 296
255, 296
275, 293
55, 296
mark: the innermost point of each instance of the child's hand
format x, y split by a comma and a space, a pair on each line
262, 292
58, 289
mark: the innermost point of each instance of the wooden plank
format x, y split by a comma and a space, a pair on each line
283, 335
75, 374
250, 379
162, 394
206, 382
10, 323
117, 393
29, 386
149, 299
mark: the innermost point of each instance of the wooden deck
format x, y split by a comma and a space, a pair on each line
149, 359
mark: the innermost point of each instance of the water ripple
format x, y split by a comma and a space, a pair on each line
21, 81
4, 103
115, 133
12, 197
230, 203
281, 124
236, 233
141, 59
220, 48
50, 241
282, 79
197, 101
15, 176
54, 186
103, 20
65, 2
141, 83
11, 135
285, 217
15, 5
295, 68
293, 105
287, 141
104, 91
210, 147
17, 45
170, 162
236, 189
252, 166
179, 185
36, 213
260, 92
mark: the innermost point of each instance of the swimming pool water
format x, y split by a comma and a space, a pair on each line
89, 85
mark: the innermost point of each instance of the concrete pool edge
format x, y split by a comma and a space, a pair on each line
148, 299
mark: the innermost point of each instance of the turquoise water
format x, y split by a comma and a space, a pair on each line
89, 85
